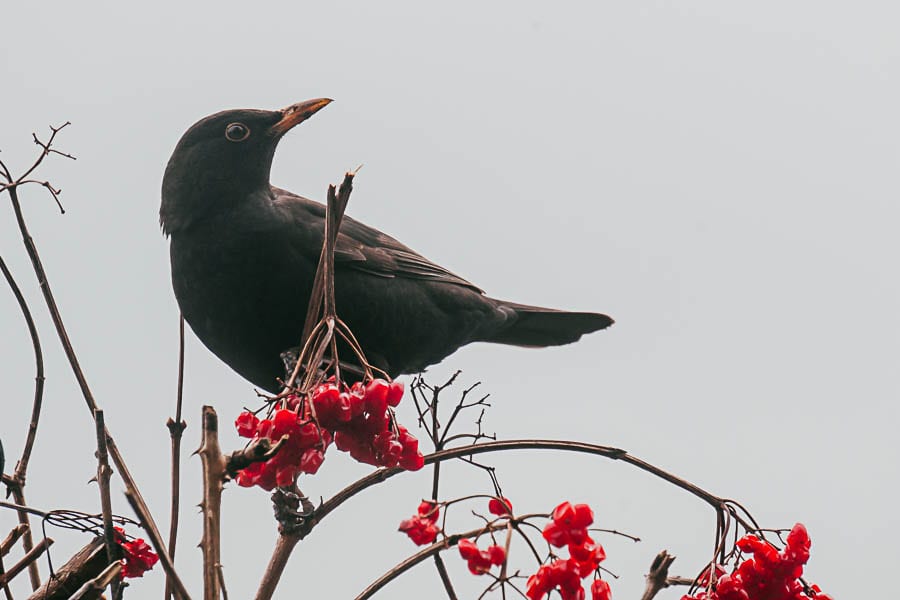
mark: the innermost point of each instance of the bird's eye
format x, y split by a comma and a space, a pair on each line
237, 132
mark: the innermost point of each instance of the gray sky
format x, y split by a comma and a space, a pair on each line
720, 177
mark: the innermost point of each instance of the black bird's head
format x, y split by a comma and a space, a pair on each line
222, 159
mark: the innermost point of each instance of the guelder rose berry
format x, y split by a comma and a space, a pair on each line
421, 527
357, 418
768, 574
480, 561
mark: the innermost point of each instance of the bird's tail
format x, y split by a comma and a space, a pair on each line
538, 327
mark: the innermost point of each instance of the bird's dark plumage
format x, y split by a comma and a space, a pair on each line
244, 254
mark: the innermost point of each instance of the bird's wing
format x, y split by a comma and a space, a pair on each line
366, 249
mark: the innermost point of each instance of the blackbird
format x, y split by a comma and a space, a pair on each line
244, 253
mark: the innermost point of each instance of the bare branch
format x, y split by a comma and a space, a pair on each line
103, 475
11, 538
658, 576
280, 555
140, 509
211, 507
26, 560
21, 469
609, 452
176, 429
431, 550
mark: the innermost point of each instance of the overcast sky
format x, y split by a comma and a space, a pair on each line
720, 177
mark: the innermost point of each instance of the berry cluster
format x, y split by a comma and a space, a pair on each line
139, 556
568, 527
481, 561
768, 574
302, 452
359, 419
421, 527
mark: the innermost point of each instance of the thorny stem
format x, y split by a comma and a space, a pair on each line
103, 475
19, 474
211, 509
132, 491
176, 428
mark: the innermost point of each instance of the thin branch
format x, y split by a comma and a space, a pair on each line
318, 297
610, 452
26, 560
22, 464
5, 546
46, 151
19, 474
445, 577
423, 554
134, 500
176, 429
11, 538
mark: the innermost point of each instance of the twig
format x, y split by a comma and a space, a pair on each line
445, 577
11, 538
211, 507
31, 556
658, 576
134, 501
322, 289
610, 452
176, 429
27, 541
22, 465
5, 547
431, 550
436, 478
103, 475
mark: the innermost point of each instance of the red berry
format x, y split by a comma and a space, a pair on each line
395, 393
468, 549
429, 510
246, 424
311, 460
497, 554
412, 463
500, 506
600, 590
